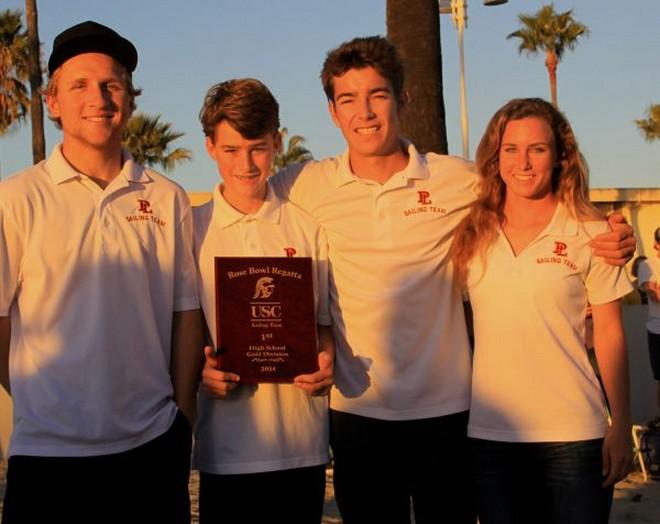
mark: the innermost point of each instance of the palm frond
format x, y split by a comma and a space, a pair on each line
14, 70
548, 31
295, 152
149, 141
650, 126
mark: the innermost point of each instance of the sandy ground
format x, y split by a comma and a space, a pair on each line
635, 501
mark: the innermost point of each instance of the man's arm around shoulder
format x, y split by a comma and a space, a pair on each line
617, 246
285, 181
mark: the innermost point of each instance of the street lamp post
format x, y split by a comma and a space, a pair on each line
458, 11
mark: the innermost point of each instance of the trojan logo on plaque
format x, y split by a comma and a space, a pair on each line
264, 288
265, 317
265, 314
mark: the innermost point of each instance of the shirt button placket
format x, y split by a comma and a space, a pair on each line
107, 230
383, 219
102, 220
250, 237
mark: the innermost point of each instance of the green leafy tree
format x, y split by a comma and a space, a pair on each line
14, 70
650, 126
149, 140
551, 33
295, 152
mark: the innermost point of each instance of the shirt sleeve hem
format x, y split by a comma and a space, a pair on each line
615, 294
186, 304
324, 321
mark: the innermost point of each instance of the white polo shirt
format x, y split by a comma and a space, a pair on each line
90, 279
402, 348
532, 380
265, 427
649, 271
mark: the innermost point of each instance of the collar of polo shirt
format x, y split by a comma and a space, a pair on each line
225, 215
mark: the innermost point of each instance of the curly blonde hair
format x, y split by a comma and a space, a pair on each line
478, 230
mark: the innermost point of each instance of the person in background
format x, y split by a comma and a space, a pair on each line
543, 449
648, 279
634, 271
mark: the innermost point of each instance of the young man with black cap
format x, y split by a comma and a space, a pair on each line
98, 302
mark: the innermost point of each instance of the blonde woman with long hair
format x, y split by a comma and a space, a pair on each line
544, 450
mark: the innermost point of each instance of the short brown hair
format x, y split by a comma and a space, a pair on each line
370, 51
246, 103
51, 90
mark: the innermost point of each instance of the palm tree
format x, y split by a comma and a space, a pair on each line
414, 27
36, 77
14, 59
148, 139
650, 126
295, 152
551, 33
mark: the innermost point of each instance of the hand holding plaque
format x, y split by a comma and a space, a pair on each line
265, 317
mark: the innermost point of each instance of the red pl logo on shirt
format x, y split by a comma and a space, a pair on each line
145, 214
560, 249
145, 206
424, 205
561, 257
424, 198
289, 252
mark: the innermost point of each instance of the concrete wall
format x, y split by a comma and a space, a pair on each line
199, 198
642, 385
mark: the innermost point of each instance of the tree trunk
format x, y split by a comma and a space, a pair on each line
414, 27
36, 105
551, 62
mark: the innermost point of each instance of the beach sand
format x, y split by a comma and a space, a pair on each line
635, 501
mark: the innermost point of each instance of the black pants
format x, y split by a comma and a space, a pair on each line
145, 484
293, 496
380, 466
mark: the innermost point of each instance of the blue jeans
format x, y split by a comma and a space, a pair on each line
543, 483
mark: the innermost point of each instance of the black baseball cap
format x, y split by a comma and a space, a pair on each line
92, 37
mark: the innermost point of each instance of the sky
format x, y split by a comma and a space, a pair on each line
185, 47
